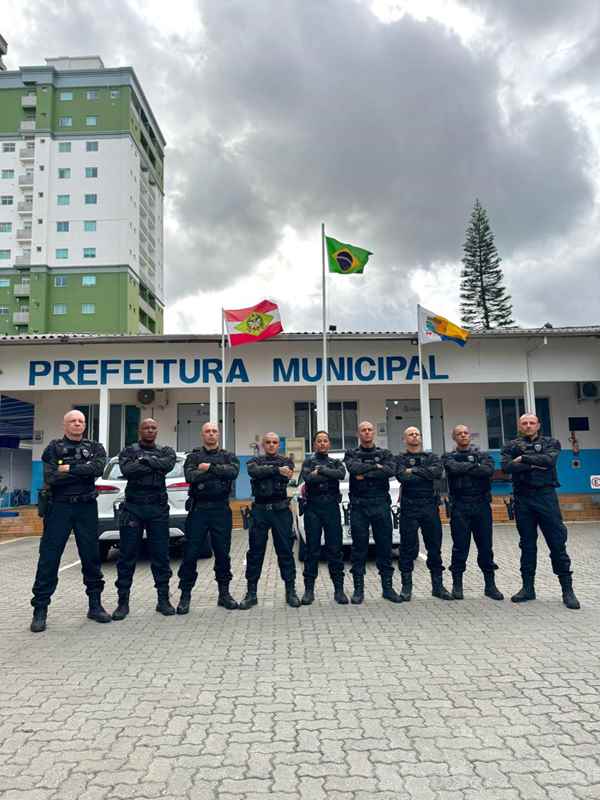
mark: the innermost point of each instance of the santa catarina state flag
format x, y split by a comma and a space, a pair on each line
346, 259
249, 325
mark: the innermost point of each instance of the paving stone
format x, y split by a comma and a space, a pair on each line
423, 701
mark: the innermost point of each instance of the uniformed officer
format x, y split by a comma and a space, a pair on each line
210, 472
322, 476
269, 476
71, 466
146, 507
370, 469
469, 473
530, 460
417, 471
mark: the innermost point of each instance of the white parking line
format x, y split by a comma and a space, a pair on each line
74, 564
19, 539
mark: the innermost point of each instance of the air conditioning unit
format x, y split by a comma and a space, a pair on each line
588, 390
153, 397
146, 397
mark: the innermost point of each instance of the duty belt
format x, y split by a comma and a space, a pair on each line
367, 501
323, 498
77, 498
280, 505
210, 503
160, 498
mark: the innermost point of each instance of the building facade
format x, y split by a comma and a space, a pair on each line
276, 385
81, 201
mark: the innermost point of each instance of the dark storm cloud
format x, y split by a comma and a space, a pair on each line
296, 112
386, 130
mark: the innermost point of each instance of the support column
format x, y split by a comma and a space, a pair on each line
104, 416
320, 399
529, 388
213, 403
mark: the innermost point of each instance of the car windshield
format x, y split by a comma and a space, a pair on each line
113, 471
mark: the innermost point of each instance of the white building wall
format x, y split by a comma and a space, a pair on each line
9, 187
115, 212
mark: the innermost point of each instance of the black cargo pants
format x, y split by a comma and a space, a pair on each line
61, 519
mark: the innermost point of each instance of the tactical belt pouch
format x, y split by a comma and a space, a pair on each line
44, 501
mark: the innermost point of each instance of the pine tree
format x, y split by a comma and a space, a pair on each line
484, 302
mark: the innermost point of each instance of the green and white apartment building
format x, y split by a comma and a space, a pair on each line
81, 201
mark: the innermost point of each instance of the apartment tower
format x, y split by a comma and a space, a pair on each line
81, 201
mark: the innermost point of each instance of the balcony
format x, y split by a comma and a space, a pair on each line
20, 318
21, 289
27, 153
27, 125
23, 261
26, 180
24, 234
25, 207
29, 101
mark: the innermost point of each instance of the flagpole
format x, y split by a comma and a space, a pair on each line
223, 382
423, 393
325, 411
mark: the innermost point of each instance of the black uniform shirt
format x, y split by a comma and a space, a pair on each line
376, 465
214, 484
268, 484
425, 469
145, 467
86, 460
469, 474
326, 483
537, 469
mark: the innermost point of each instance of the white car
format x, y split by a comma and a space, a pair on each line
111, 493
345, 511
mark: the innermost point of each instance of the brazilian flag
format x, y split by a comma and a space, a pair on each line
346, 259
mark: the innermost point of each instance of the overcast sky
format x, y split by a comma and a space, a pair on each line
383, 119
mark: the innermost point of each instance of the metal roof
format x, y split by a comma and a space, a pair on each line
497, 333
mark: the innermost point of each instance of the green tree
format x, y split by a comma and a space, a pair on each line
484, 302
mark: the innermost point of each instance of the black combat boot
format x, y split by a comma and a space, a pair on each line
183, 607
407, 586
309, 592
527, 591
457, 587
164, 606
225, 599
359, 590
38, 623
438, 589
291, 598
569, 597
122, 609
338, 591
96, 612
387, 590
491, 590
250, 599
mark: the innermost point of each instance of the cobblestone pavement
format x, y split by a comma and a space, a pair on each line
476, 700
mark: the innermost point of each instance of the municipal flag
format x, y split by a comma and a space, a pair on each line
249, 325
346, 259
435, 328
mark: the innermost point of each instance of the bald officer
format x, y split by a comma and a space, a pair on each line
71, 466
270, 474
